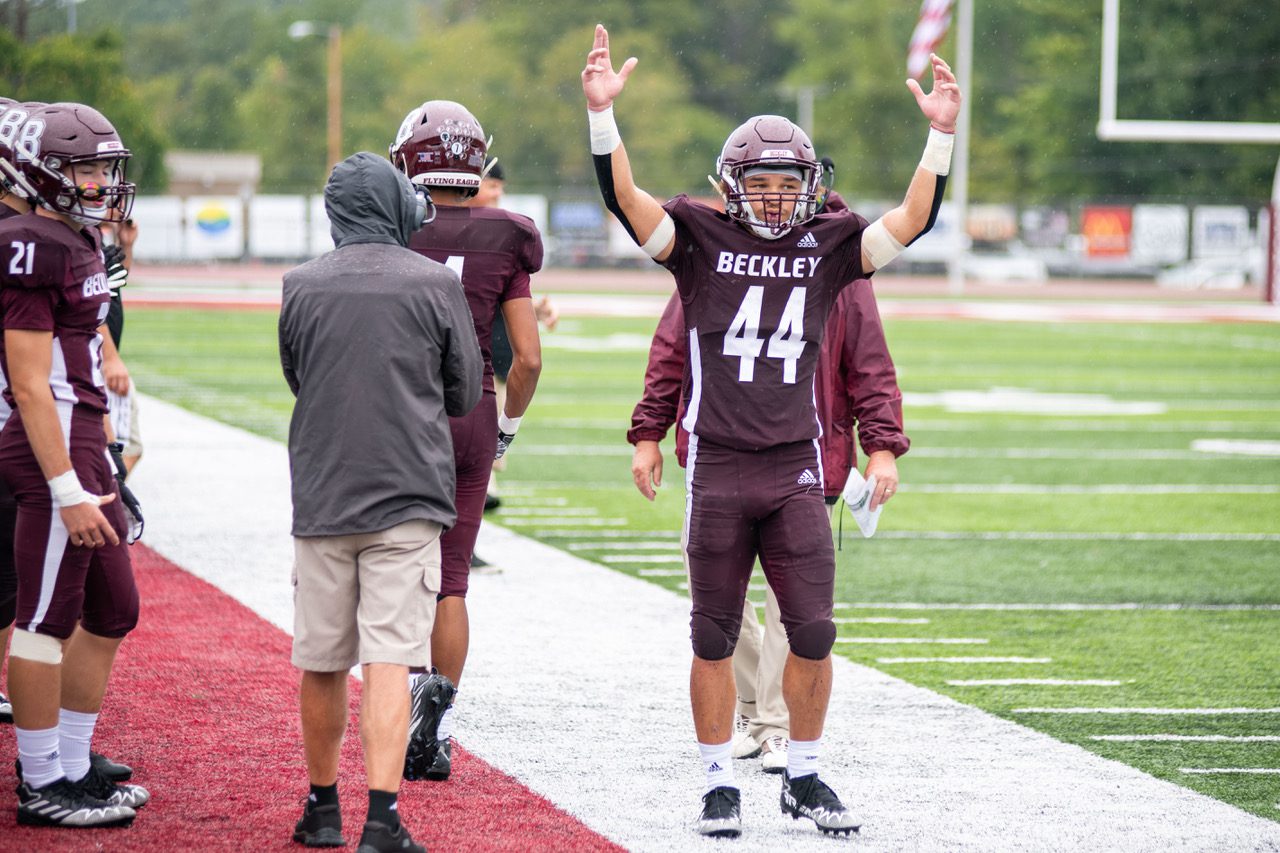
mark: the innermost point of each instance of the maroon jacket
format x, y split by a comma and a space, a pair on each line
856, 381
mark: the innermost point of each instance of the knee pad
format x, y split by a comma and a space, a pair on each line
710, 641
813, 640
38, 648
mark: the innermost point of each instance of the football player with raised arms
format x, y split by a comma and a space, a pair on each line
757, 283
441, 146
76, 593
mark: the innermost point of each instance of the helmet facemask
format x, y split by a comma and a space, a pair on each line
88, 202
740, 202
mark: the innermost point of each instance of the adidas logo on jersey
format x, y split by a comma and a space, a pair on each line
808, 241
807, 479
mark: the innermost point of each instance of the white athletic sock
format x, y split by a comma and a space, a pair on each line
802, 757
717, 760
75, 731
445, 730
38, 752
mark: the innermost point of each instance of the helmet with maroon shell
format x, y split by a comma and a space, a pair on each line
768, 143
440, 144
13, 115
64, 134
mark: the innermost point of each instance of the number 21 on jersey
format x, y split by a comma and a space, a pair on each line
23, 259
743, 341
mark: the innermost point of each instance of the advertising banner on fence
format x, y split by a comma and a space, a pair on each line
1161, 233
1106, 231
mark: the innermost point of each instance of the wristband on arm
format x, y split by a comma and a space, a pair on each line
67, 491
506, 433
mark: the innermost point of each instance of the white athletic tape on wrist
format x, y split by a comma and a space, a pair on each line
508, 426
38, 648
937, 152
67, 491
881, 246
660, 237
604, 131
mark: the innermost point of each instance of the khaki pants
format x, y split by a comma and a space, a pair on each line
366, 598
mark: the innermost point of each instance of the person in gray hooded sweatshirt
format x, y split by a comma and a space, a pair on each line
378, 345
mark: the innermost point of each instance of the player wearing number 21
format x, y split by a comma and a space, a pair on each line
757, 283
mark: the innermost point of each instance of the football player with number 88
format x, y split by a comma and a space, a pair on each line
757, 283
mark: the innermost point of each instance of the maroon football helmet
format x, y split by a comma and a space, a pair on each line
770, 142
63, 134
440, 144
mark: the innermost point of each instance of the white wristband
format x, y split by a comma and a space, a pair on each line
604, 131
508, 426
937, 152
67, 491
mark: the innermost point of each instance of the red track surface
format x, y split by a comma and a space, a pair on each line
203, 704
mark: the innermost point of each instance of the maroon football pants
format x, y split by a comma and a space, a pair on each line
475, 440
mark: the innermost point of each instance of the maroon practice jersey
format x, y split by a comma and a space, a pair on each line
5, 409
493, 251
52, 279
755, 310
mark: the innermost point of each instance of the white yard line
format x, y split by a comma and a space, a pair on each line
661, 573
1077, 489
623, 546
1133, 454
555, 512
1074, 536
565, 652
1157, 712
566, 522
642, 558
965, 660
1037, 682
1049, 606
877, 620
916, 641
1187, 738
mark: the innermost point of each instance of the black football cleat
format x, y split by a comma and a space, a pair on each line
97, 785
721, 813
113, 770
808, 796
6, 709
442, 766
380, 838
429, 700
65, 804
319, 826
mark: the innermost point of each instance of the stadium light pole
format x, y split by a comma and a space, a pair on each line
299, 30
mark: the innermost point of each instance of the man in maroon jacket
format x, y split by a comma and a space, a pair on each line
856, 383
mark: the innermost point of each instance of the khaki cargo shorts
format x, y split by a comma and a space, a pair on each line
365, 598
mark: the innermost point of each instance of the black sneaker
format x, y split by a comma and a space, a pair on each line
319, 826
6, 709
113, 770
721, 813
65, 804
442, 766
491, 502
429, 700
97, 785
808, 796
380, 838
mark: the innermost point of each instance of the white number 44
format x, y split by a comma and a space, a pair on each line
742, 340
21, 252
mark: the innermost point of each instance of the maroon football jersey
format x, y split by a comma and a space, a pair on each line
52, 279
493, 251
5, 409
755, 310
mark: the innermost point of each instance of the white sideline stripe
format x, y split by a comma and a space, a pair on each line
556, 512
1056, 535
1074, 489
965, 660
923, 605
1037, 682
1267, 771
623, 546
661, 573
877, 620
557, 522
602, 652
1159, 712
642, 558
1187, 738
921, 641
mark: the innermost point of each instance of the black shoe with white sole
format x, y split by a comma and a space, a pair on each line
430, 698
6, 709
380, 838
65, 804
721, 813
113, 770
808, 796
97, 785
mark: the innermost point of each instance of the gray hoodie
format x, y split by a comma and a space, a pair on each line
378, 345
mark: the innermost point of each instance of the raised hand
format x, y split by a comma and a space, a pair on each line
600, 83
942, 105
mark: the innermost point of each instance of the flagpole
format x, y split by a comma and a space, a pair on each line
959, 180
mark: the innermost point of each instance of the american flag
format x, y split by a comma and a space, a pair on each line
935, 17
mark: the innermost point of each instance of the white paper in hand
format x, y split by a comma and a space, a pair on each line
857, 494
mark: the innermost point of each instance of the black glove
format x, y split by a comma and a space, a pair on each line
132, 509
504, 442
117, 275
